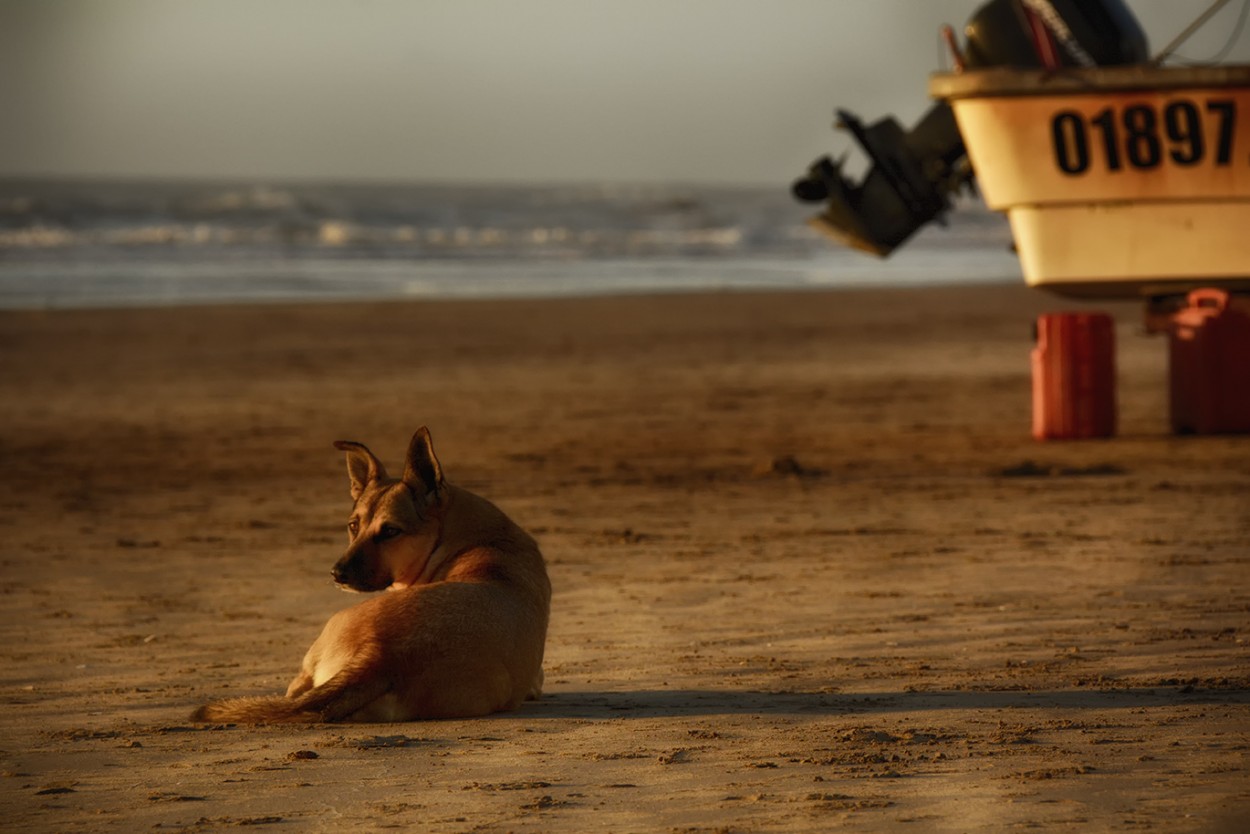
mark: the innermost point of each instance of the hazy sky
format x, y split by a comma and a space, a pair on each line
735, 91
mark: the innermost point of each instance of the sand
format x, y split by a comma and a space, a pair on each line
810, 569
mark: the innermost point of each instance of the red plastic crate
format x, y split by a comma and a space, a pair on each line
1209, 364
1074, 376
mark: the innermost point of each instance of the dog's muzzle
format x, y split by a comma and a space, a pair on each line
353, 573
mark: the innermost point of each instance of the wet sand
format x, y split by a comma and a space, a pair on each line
810, 569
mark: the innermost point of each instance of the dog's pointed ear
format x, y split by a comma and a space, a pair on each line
422, 472
362, 467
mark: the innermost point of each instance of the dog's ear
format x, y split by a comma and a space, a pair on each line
362, 467
422, 472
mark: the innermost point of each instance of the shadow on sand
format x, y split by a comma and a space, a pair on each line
662, 703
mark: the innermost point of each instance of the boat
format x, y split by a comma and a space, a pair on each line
1120, 177
1117, 181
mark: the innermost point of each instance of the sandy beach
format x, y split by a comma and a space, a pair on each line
810, 570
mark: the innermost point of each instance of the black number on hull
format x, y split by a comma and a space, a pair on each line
1136, 136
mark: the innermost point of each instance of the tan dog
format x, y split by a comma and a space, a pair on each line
459, 634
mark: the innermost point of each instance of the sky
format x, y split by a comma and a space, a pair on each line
522, 91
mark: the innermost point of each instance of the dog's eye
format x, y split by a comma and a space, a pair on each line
353, 526
388, 531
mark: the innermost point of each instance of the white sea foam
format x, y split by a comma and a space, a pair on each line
91, 244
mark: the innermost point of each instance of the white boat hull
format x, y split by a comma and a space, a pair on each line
1117, 181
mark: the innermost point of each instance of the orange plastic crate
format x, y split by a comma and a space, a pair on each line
1209, 364
1074, 376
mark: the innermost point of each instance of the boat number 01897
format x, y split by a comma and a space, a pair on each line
1142, 136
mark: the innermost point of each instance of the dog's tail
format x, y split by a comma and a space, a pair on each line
273, 709
352, 689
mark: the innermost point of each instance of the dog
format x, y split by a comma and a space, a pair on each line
461, 629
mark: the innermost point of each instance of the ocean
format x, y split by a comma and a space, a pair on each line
75, 244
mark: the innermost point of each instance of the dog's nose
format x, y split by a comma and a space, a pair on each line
339, 572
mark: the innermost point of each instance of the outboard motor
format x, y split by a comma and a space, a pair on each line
914, 172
